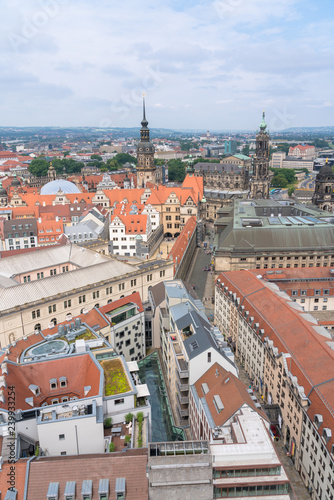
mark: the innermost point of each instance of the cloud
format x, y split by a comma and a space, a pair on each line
187, 56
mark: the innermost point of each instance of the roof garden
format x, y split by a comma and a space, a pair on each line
115, 377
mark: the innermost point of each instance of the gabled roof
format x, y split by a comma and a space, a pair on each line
232, 392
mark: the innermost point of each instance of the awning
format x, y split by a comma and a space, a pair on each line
143, 391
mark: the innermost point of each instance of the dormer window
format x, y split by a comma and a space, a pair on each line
63, 382
35, 389
103, 489
53, 383
318, 420
326, 434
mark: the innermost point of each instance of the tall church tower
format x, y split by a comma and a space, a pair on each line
146, 171
260, 179
323, 195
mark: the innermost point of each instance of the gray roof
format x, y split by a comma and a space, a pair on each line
27, 262
269, 225
105, 269
157, 293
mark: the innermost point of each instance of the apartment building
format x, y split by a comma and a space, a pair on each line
63, 280
189, 345
124, 229
17, 234
289, 356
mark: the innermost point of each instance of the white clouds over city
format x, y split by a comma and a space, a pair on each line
202, 64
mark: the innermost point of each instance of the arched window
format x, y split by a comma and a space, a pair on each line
54, 321
110, 300
37, 327
97, 306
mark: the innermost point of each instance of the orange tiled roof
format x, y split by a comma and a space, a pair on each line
231, 390
181, 243
134, 223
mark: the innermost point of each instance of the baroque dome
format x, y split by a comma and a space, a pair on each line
66, 187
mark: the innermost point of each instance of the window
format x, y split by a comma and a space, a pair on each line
209, 357
132, 351
119, 401
149, 277
133, 282
96, 294
52, 308
121, 286
63, 381
294, 292
63, 453
67, 303
65, 269
109, 290
26, 278
315, 308
162, 273
52, 271
82, 299
36, 314
61, 437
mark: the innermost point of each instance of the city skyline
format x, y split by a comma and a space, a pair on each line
211, 65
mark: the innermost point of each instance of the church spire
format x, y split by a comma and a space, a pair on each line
144, 122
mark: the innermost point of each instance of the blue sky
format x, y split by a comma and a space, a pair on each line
202, 64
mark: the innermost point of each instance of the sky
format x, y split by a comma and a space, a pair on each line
207, 65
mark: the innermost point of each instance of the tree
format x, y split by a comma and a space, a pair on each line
68, 165
176, 170
245, 150
96, 157
112, 164
279, 181
122, 158
291, 191
39, 167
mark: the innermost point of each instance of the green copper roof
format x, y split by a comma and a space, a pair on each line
241, 157
263, 124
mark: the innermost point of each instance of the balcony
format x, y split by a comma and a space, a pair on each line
182, 368
183, 398
182, 413
182, 385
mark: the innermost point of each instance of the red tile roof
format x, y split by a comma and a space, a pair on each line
130, 465
134, 297
233, 394
80, 371
20, 475
181, 243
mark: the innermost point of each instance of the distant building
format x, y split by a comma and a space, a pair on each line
260, 182
146, 170
302, 151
